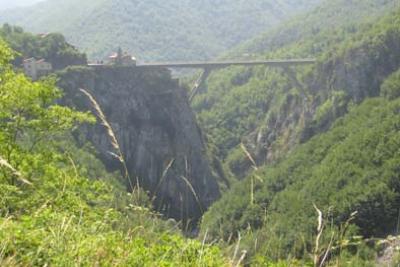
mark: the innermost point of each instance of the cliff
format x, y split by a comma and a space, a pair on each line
155, 127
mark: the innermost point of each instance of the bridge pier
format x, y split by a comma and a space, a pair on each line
208, 66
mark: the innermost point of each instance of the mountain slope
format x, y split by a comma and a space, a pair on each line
270, 110
346, 163
184, 29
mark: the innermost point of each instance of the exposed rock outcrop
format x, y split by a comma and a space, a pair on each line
335, 84
156, 128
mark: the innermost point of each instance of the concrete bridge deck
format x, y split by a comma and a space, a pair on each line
224, 64
209, 66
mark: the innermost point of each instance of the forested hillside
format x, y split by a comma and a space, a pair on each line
351, 169
153, 30
272, 110
329, 143
310, 172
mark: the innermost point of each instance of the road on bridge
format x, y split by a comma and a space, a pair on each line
208, 66
224, 64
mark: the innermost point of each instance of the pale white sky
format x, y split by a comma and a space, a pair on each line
5, 4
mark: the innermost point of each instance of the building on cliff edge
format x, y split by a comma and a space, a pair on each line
36, 68
122, 59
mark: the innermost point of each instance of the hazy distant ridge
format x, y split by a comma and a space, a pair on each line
179, 29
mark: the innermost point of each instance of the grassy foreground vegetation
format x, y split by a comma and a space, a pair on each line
58, 205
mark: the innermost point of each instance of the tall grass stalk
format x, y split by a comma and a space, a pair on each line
202, 246
320, 229
398, 222
113, 138
254, 166
164, 175
5, 164
321, 256
235, 253
193, 192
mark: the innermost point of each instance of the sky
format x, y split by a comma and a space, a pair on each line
5, 4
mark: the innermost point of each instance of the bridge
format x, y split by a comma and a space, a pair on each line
224, 64
208, 66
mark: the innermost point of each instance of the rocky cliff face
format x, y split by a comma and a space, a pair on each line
156, 128
337, 82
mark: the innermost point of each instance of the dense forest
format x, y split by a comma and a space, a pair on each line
295, 103
307, 158
156, 30
342, 165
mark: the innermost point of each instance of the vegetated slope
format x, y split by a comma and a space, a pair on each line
353, 167
152, 30
271, 110
52, 47
328, 15
58, 205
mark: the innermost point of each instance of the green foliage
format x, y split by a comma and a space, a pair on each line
273, 110
156, 30
352, 167
52, 47
58, 205
327, 111
391, 87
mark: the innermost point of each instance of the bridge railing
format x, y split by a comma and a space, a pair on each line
221, 64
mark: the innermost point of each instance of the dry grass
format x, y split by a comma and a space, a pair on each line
320, 229
243, 255
164, 175
193, 192
254, 166
4, 163
248, 155
111, 134
320, 254
320, 258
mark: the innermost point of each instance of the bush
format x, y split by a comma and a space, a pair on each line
391, 87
